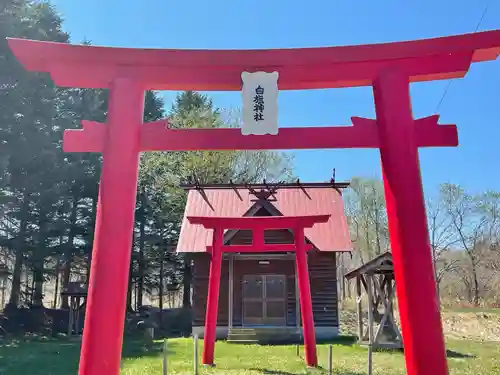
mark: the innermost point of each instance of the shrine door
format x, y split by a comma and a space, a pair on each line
264, 300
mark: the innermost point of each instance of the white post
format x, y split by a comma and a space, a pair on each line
195, 354
369, 284
231, 288
71, 317
359, 308
165, 357
370, 359
330, 359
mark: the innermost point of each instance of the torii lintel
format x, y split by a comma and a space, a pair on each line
157, 136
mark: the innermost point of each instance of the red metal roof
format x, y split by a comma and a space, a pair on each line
330, 236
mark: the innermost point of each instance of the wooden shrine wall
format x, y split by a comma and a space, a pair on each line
322, 273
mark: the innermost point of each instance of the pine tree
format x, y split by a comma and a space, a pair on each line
27, 109
48, 198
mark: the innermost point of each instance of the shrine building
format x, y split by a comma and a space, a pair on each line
258, 295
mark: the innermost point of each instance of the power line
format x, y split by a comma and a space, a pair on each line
482, 16
451, 81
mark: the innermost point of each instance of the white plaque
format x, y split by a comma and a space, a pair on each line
260, 103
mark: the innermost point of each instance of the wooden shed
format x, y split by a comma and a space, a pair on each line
77, 294
376, 277
258, 290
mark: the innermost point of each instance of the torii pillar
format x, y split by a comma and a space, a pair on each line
106, 305
409, 236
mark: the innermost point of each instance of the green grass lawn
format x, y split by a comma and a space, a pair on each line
50, 357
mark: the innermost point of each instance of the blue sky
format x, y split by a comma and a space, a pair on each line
473, 103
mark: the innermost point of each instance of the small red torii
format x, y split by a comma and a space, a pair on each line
258, 225
389, 68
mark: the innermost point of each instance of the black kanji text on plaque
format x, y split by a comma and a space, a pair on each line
258, 104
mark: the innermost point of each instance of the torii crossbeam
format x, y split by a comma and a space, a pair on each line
388, 68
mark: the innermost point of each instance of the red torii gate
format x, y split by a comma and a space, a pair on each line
258, 225
389, 68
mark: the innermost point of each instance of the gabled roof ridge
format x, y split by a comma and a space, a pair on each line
230, 233
258, 204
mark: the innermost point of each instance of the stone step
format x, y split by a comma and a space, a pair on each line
242, 329
241, 338
242, 341
262, 334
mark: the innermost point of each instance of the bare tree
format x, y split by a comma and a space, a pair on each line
442, 237
468, 228
464, 233
367, 217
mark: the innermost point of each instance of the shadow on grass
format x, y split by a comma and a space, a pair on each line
343, 373
39, 355
454, 354
137, 348
278, 372
33, 343
58, 356
340, 340
449, 353
70, 347
272, 372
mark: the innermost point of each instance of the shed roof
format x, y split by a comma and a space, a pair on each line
380, 265
296, 201
75, 288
